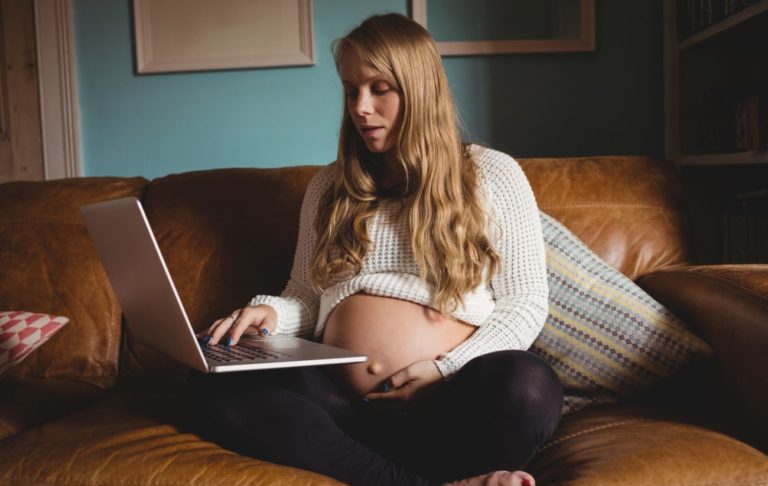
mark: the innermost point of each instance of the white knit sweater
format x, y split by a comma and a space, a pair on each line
509, 311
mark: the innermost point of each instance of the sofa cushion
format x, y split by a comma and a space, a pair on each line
132, 438
607, 339
48, 264
634, 446
29, 402
628, 210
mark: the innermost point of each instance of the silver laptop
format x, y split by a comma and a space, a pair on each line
152, 308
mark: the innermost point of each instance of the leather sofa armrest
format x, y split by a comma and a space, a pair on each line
727, 305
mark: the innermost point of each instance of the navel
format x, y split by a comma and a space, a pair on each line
373, 369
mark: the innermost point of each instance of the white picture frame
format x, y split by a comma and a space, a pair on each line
202, 35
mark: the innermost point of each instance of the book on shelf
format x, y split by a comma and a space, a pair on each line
715, 124
726, 123
751, 126
745, 228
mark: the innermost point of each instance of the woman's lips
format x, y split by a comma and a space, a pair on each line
371, 131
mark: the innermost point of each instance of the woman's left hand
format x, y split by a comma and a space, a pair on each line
408, 382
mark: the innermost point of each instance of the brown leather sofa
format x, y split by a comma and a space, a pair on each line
93, 407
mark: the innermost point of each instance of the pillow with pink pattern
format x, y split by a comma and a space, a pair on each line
23, 332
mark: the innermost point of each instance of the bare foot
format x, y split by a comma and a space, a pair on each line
498, 478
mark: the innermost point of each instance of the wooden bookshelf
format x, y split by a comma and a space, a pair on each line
733, 20
714, 78
708, 75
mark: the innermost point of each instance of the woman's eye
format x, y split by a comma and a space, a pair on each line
381, 88
350, 94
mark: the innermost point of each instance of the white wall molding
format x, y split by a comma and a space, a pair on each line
59, 112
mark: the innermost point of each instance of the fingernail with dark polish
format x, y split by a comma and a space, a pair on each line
385, 387
264, 331
228, 341
205, 340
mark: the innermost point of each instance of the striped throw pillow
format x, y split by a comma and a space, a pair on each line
606, 338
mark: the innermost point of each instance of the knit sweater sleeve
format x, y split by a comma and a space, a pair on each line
297, 306
519, 285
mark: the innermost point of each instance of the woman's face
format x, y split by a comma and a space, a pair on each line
373, 103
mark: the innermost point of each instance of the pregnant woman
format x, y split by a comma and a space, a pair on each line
427, 256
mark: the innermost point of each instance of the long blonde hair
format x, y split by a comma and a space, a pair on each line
445, 215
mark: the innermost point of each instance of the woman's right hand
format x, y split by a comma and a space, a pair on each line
260, 318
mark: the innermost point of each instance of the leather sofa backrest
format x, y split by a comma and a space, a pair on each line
226, 235
629, 210
48, 264
229, 234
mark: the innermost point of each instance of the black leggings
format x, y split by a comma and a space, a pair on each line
493, 414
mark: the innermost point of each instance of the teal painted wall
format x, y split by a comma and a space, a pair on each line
609, 101
604, 102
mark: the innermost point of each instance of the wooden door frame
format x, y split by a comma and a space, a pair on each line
57, 75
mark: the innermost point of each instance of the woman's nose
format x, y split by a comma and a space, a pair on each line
364, 104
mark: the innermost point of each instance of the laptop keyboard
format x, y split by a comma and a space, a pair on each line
225, 354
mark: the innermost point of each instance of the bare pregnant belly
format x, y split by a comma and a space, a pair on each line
393, 333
